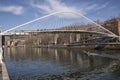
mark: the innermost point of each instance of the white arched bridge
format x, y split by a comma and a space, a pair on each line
49, 24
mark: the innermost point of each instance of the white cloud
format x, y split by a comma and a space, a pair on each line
91, 7
103, 6
54, 6
50, 6
17, 10
94, 8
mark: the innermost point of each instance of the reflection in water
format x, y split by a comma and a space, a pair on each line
26, 63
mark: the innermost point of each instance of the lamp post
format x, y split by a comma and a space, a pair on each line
1, 49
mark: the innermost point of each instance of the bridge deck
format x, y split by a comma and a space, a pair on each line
55, 31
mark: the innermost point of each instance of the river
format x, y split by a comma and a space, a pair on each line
26, 63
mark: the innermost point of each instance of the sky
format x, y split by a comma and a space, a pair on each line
16, 12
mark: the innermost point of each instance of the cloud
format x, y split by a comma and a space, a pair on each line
51, 6
17, 10
102, 6
90, 7
94, 8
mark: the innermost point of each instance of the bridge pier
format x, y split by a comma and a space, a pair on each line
56, 39
38, 41
71, 38
77, 37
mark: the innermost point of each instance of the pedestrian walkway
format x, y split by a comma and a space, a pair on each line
3, 72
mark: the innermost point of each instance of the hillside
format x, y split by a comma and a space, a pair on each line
112, 25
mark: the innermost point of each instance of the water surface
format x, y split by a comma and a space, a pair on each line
25, 63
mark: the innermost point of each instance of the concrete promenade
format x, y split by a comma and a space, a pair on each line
3, 72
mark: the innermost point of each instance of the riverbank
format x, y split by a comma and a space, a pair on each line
102, 46
110, 46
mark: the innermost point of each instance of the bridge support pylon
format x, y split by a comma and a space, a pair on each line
78, 37
56, 39
71, 39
